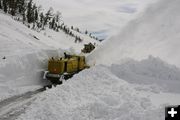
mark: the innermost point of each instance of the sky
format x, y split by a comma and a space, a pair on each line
103, 17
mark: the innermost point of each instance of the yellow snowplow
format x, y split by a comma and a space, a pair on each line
88, 48
64, 68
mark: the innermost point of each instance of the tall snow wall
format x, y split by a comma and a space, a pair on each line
23, 58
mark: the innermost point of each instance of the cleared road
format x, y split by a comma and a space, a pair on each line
12, 107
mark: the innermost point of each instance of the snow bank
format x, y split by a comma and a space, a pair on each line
156, 32
94, 94
22, 57
22, 70
149, 71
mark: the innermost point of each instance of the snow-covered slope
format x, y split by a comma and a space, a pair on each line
98, 94
26, 52
149, 71
156, 32
94, 94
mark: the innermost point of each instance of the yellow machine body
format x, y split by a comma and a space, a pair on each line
56, 66
66, 65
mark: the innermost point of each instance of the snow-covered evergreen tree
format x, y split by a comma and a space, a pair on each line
0, 4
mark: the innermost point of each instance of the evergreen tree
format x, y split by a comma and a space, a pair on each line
12, 7
53, 24
41, 20
58, 17
36, 15
70, 33
0, 4
21, 6
56, 27
77, 30
24, 16
86, 32
5, 6
29, 12
76, 39
48, 16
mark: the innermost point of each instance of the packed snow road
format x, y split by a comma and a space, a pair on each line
12, 107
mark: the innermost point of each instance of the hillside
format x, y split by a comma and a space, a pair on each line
26, 53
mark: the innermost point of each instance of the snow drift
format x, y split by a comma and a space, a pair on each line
149, 71
156, 32
94, 94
